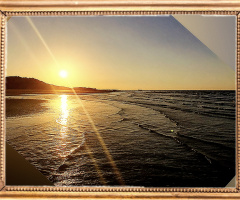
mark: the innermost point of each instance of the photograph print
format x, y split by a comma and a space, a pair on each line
123, 101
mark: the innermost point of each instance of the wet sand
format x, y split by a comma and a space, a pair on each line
18, 170
22, 107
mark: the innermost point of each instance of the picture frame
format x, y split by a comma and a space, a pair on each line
11, 8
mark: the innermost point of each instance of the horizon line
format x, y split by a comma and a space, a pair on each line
126, 89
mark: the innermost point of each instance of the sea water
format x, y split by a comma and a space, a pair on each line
132, 138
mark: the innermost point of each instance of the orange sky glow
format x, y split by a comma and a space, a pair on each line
148, 53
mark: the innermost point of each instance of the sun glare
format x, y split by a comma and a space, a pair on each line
63, 73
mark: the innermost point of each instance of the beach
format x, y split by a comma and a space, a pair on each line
127, 138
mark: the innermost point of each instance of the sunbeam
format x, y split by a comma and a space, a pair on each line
42, 40
113, 164
100, 139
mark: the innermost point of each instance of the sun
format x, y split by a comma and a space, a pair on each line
63, 73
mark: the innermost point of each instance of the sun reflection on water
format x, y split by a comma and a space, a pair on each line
64, 108
63, 122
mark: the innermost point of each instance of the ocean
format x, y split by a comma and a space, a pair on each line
127, 138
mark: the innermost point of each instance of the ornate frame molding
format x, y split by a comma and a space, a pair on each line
51, 8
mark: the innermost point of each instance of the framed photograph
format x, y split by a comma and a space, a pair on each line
116, 99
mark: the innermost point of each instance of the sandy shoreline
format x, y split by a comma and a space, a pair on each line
153, 132
22, 107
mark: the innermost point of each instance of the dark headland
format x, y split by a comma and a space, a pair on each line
16, 85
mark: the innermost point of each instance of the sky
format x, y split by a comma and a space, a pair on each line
117, 52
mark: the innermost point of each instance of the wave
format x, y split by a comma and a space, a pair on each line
194, 139
216, 113
178, 140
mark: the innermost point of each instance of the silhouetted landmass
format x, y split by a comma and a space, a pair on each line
17, 82
23, 85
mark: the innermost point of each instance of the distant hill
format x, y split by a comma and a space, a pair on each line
23, 83
32, 85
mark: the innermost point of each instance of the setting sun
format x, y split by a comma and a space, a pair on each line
63, 73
